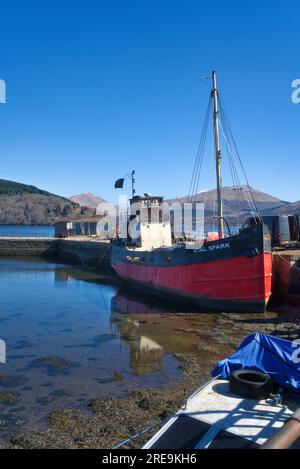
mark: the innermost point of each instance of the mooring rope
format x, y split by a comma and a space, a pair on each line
133, 437
98, 262
178, 413
90, 268
293, 266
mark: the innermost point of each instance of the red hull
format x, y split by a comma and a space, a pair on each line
235, 280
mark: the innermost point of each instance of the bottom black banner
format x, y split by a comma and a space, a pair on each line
138, 458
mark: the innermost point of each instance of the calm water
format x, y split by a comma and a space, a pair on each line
26, 231
66, 344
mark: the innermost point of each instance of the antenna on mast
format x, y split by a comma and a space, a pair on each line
133, 182
218, 154
132, 179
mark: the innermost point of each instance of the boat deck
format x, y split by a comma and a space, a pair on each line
216, 418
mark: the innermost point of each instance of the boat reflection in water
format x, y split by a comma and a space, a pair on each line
145, 354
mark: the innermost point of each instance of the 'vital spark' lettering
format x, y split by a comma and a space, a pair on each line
213, 247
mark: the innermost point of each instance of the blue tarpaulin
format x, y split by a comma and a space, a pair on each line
280, 358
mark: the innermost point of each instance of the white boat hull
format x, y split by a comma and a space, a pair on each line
216, 418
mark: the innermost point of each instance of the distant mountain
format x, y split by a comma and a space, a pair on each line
289, 209
22, 204
86, 199
264, 202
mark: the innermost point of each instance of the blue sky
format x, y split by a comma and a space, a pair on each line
95, 89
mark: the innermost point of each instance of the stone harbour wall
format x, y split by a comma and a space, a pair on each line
28, 247
86, 252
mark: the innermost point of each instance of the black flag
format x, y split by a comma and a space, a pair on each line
119, 183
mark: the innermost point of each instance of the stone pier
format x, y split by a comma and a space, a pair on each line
91, 253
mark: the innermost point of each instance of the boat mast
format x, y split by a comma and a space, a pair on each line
132, 183
218, 154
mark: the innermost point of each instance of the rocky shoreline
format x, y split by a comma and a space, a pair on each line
110, 421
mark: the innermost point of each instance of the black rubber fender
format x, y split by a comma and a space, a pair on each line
251, 384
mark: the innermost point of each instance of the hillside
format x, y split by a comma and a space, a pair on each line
289, 209
264, 202
86, 199
12, 188
22, 204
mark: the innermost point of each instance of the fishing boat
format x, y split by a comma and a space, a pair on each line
226, 272
252, 402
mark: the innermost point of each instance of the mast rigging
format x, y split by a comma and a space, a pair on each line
218, 155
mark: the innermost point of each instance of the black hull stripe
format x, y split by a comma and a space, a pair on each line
248, 243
